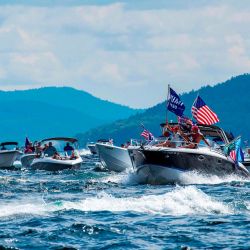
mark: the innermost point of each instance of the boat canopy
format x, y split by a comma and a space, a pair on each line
72, 140
8, 143
210, 131
103, 140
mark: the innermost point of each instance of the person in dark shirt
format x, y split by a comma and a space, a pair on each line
68, 147
51, 150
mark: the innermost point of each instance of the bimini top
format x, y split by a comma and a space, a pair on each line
210, 130
72, 140
8, 143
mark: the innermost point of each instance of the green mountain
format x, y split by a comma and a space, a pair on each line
54, 111
230, 100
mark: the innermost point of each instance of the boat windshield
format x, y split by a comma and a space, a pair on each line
61, 145
8, 146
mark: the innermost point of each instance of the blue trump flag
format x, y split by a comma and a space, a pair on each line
174, 103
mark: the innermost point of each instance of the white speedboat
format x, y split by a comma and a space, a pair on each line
50, 164
8, 154
114, 158
161, 165
57, 157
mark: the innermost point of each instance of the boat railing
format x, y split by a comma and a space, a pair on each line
163, 142
63, 154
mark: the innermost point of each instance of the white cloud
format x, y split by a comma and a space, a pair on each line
127, 55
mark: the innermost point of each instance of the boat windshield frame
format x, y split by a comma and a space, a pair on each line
209, 130
57, 143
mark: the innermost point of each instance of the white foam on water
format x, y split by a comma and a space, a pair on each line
22, 207
179, 201
84, 151
199, 178
184, 178
248, 206
121, 178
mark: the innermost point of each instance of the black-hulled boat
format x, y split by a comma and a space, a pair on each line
160, 165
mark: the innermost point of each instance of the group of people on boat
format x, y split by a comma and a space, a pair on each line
185, 135
49, 150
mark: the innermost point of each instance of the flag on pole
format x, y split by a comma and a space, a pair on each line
174, 104
202, 113
234, 150
147, 135
27, 142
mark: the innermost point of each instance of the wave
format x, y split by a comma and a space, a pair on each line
184, 178
198, 178
179, 201
84, 151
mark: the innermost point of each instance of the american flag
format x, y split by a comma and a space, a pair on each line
147, 135
202, 113
233, 155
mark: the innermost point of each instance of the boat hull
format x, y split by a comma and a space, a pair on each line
49, 164
92, 149
114, 158
7, 158
27, 159
158, 166
246, 163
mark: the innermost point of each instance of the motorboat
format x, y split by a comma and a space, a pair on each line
8, 154
92, 148
26, 159
246, 162
50, 164
92, 145
56, 156
156, 164
114, 158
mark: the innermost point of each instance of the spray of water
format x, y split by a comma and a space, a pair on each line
179, 201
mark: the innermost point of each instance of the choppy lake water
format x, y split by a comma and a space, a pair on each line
87, 209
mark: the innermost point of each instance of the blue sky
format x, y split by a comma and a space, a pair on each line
123, 51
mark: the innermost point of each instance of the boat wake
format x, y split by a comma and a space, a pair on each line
179, 201
183, 178
193, 177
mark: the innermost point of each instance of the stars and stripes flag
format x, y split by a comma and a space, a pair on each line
237, 155
202, 113
234, 150
233, 155
147, 135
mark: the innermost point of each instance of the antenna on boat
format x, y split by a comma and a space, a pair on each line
167, 103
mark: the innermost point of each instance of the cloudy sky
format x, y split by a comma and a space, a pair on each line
123, 51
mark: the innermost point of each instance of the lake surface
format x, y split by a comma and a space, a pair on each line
87, 209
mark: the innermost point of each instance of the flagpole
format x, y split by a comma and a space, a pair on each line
167, 103
195, 100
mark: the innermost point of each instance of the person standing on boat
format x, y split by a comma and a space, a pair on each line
51, 150
195, 137
38, 149
174, 138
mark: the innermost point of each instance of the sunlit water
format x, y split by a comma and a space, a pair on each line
89, 209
